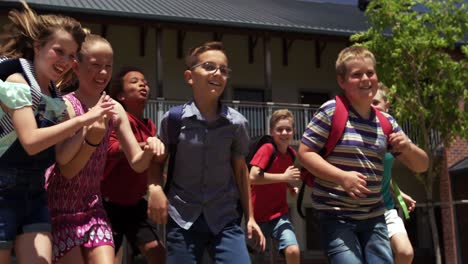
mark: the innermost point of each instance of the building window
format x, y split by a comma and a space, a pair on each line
251, 95
314, 99
255, 113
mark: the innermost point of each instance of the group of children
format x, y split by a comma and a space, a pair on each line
74, 169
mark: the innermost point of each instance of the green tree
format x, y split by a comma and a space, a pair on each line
421, 52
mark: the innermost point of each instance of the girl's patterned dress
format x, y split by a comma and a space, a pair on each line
78, 216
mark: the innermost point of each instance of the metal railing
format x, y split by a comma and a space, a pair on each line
258, 114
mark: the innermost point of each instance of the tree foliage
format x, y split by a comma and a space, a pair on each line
420, 53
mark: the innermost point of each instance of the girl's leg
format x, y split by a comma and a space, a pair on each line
99, 255
5, 255
402, 249
74, 256
119, 256
35, 247
154, 251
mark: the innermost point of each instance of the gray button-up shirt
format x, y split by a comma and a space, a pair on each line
203, 178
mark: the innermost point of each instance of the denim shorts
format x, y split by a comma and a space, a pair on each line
355, 241
23, 204
281, 230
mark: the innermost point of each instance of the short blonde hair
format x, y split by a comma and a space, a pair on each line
349, 54
279, 115
383, 90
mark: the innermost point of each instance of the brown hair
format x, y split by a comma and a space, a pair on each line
281, 114
26, 28
351, 53
117, 83
193, 54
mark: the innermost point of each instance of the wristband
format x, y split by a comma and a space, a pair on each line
91, 144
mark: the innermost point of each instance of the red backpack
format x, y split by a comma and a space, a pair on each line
338, 124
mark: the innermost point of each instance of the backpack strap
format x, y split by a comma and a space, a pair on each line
174, 123
337, 127
384, 122
387, 129
338, 124
290, 151
272, 156
9, 66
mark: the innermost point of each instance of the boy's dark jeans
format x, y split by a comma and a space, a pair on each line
352, 241
188, 246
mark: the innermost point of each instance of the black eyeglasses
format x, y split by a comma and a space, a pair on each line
211, 67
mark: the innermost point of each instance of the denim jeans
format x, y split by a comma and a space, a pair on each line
188, 246
23, 204
352, 241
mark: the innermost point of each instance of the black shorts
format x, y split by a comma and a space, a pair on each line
131, 222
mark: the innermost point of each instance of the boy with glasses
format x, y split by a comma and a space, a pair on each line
209, 182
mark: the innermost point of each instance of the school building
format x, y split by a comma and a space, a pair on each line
282, 53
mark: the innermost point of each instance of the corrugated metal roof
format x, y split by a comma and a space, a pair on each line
277, 15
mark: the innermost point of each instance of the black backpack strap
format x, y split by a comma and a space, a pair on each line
272, 157
9, 66
174, 123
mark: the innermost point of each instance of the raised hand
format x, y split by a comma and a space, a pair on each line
409, 201
155, 146
399, 142
354, 183
103, 108
96, 131
292, 174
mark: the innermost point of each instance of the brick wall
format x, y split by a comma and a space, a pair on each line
457, 152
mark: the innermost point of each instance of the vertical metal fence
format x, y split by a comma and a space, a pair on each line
258, 114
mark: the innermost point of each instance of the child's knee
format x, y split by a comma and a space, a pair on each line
405, 253
292, 250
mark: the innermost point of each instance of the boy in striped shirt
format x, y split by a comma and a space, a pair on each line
346, 191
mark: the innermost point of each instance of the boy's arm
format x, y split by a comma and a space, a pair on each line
411, 155
243, 183
354, 183
258, 176
157, 200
